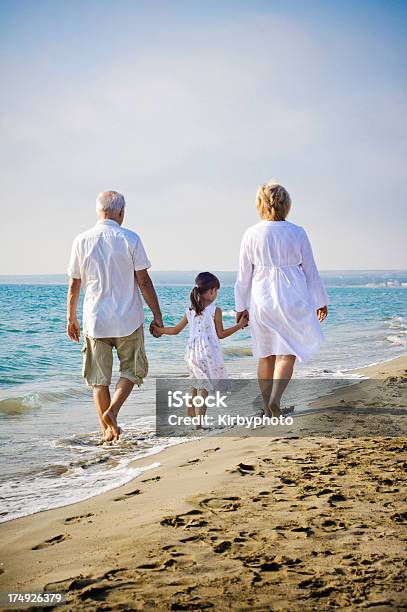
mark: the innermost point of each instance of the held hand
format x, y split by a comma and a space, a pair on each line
73, 330
156, 322
244, 320
243, 313
322, 313
156, 331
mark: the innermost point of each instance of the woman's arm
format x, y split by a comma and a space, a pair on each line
314, 282
244, 280
225, 333
172, 331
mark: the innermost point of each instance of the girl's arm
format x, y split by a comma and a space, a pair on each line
172, 331
225, 333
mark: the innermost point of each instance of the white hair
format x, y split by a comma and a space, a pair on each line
110, 202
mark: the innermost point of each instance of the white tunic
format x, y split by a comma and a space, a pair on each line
203, 354
278, 282
105, 259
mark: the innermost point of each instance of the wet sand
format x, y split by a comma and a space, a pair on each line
314, 520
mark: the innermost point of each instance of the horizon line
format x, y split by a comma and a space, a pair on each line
218, 271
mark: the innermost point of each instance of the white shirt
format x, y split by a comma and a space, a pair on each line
105, 258
279, 283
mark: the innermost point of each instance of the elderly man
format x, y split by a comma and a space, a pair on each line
111, 264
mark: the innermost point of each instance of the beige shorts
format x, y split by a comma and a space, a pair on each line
98, 358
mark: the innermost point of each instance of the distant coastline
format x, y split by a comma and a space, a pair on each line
332, 278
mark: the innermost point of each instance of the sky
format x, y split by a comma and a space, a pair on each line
186, 108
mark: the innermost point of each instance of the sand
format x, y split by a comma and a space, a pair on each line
313, 519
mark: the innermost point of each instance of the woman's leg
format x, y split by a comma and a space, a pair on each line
283, 372
265, 375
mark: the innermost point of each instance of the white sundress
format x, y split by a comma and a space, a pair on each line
203, 353
278, 282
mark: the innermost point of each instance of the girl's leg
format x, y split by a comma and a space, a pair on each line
202, 409
282, 375
190, 406
265, 375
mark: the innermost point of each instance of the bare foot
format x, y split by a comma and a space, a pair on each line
109, 418
274, 408
109, 435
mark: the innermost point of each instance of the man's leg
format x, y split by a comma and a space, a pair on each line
265, 375
97, 371
123, 389
133, 366
101, 397
282, 375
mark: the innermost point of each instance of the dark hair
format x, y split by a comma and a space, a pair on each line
203, 282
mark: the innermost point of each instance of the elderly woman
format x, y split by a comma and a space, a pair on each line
278, 283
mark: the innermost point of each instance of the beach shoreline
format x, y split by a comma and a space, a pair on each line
194, 525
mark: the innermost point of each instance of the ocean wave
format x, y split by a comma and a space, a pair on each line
238, 351
397, 323
58, 485
43, 493
229, 313
22, 403
398, 340
19, 405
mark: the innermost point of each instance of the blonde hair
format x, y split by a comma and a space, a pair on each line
273, 201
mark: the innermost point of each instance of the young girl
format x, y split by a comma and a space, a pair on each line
203, 353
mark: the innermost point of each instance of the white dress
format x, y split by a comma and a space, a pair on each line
203, 354
278, 282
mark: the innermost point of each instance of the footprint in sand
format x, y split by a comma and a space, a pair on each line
288, 481
262, 496
194, 538
182, 559
335, 499
304, 532
155, 479
177, 561
400, 517
185, 520
222, 547
51, 542
212, 450
245, 468
221, 504
191, 462
77, 519
127, 495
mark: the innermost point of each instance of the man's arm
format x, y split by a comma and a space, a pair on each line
73, 328
148, 292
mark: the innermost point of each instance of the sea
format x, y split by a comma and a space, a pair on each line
50, 450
